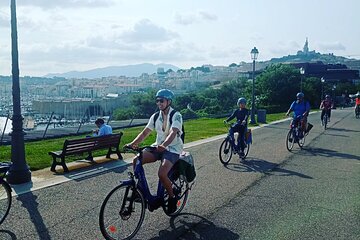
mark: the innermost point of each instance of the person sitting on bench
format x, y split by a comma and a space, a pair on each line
103, 129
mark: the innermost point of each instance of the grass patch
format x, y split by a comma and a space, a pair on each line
37, 152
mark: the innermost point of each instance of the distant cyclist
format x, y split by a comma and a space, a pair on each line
357, 102
301, 110
241, 115
168, 141
326, 106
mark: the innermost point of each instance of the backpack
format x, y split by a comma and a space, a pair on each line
171, 117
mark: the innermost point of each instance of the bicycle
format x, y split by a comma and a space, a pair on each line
357, 111
325, 119
227, 148
295, 134
123, 210
5, 192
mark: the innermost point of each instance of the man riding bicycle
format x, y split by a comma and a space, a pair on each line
326, 106
168, 141
242, 115
301, 110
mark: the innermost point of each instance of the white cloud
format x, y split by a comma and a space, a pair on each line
61, 3
191, 18
208, 16
145, 31
185, 19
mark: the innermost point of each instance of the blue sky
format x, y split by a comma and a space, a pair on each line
66, 35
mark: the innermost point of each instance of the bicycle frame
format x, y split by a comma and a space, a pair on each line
296, 126
232, 141
139, 174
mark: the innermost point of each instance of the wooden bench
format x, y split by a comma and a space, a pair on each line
85, 145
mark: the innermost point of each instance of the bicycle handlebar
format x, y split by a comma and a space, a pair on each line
139, 149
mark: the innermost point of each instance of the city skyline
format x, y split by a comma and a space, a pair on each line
60, 36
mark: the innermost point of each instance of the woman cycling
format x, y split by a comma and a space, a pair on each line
241, 115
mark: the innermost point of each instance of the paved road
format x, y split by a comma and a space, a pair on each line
307, 194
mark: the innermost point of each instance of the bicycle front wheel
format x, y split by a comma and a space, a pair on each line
122, 213
301, 141
5, 200
325, 121
225, 152
290, 140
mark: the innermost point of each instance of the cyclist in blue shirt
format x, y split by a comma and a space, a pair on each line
241, 115
301, 110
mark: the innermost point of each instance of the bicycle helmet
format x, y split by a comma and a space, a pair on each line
300, 95
165, 93
327, 96
241, 100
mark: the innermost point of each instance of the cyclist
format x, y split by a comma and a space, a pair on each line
326, 106
301, 110
168, 141
357, 102
241, 115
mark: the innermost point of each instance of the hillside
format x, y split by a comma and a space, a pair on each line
127, 70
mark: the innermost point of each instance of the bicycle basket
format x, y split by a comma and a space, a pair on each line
186, 166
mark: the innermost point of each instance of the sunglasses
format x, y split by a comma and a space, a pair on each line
161, 100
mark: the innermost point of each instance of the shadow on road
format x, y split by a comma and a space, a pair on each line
7, 235
263, 166
313, 151
95, 170
192, 226
28, 201
335, 135
343, 130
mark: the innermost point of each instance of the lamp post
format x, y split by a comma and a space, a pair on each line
19, 171
254, 54
302, 72
333, 89
322, 87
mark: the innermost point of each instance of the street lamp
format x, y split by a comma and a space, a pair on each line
19, 171
254, 54
322, 87
302, 72
333, 89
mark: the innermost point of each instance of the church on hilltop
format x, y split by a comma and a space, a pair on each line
305, 50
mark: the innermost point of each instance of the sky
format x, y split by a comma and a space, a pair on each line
56, 36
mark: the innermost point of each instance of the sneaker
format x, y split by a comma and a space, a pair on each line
242, 154
172, 204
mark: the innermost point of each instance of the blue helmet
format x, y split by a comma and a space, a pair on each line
165, 93
300, 95
241, 100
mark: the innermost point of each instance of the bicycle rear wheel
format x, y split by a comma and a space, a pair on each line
246, 151
301, 141
225, 152
290, 140
5, 200
325, 121
181, 189
122, 213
